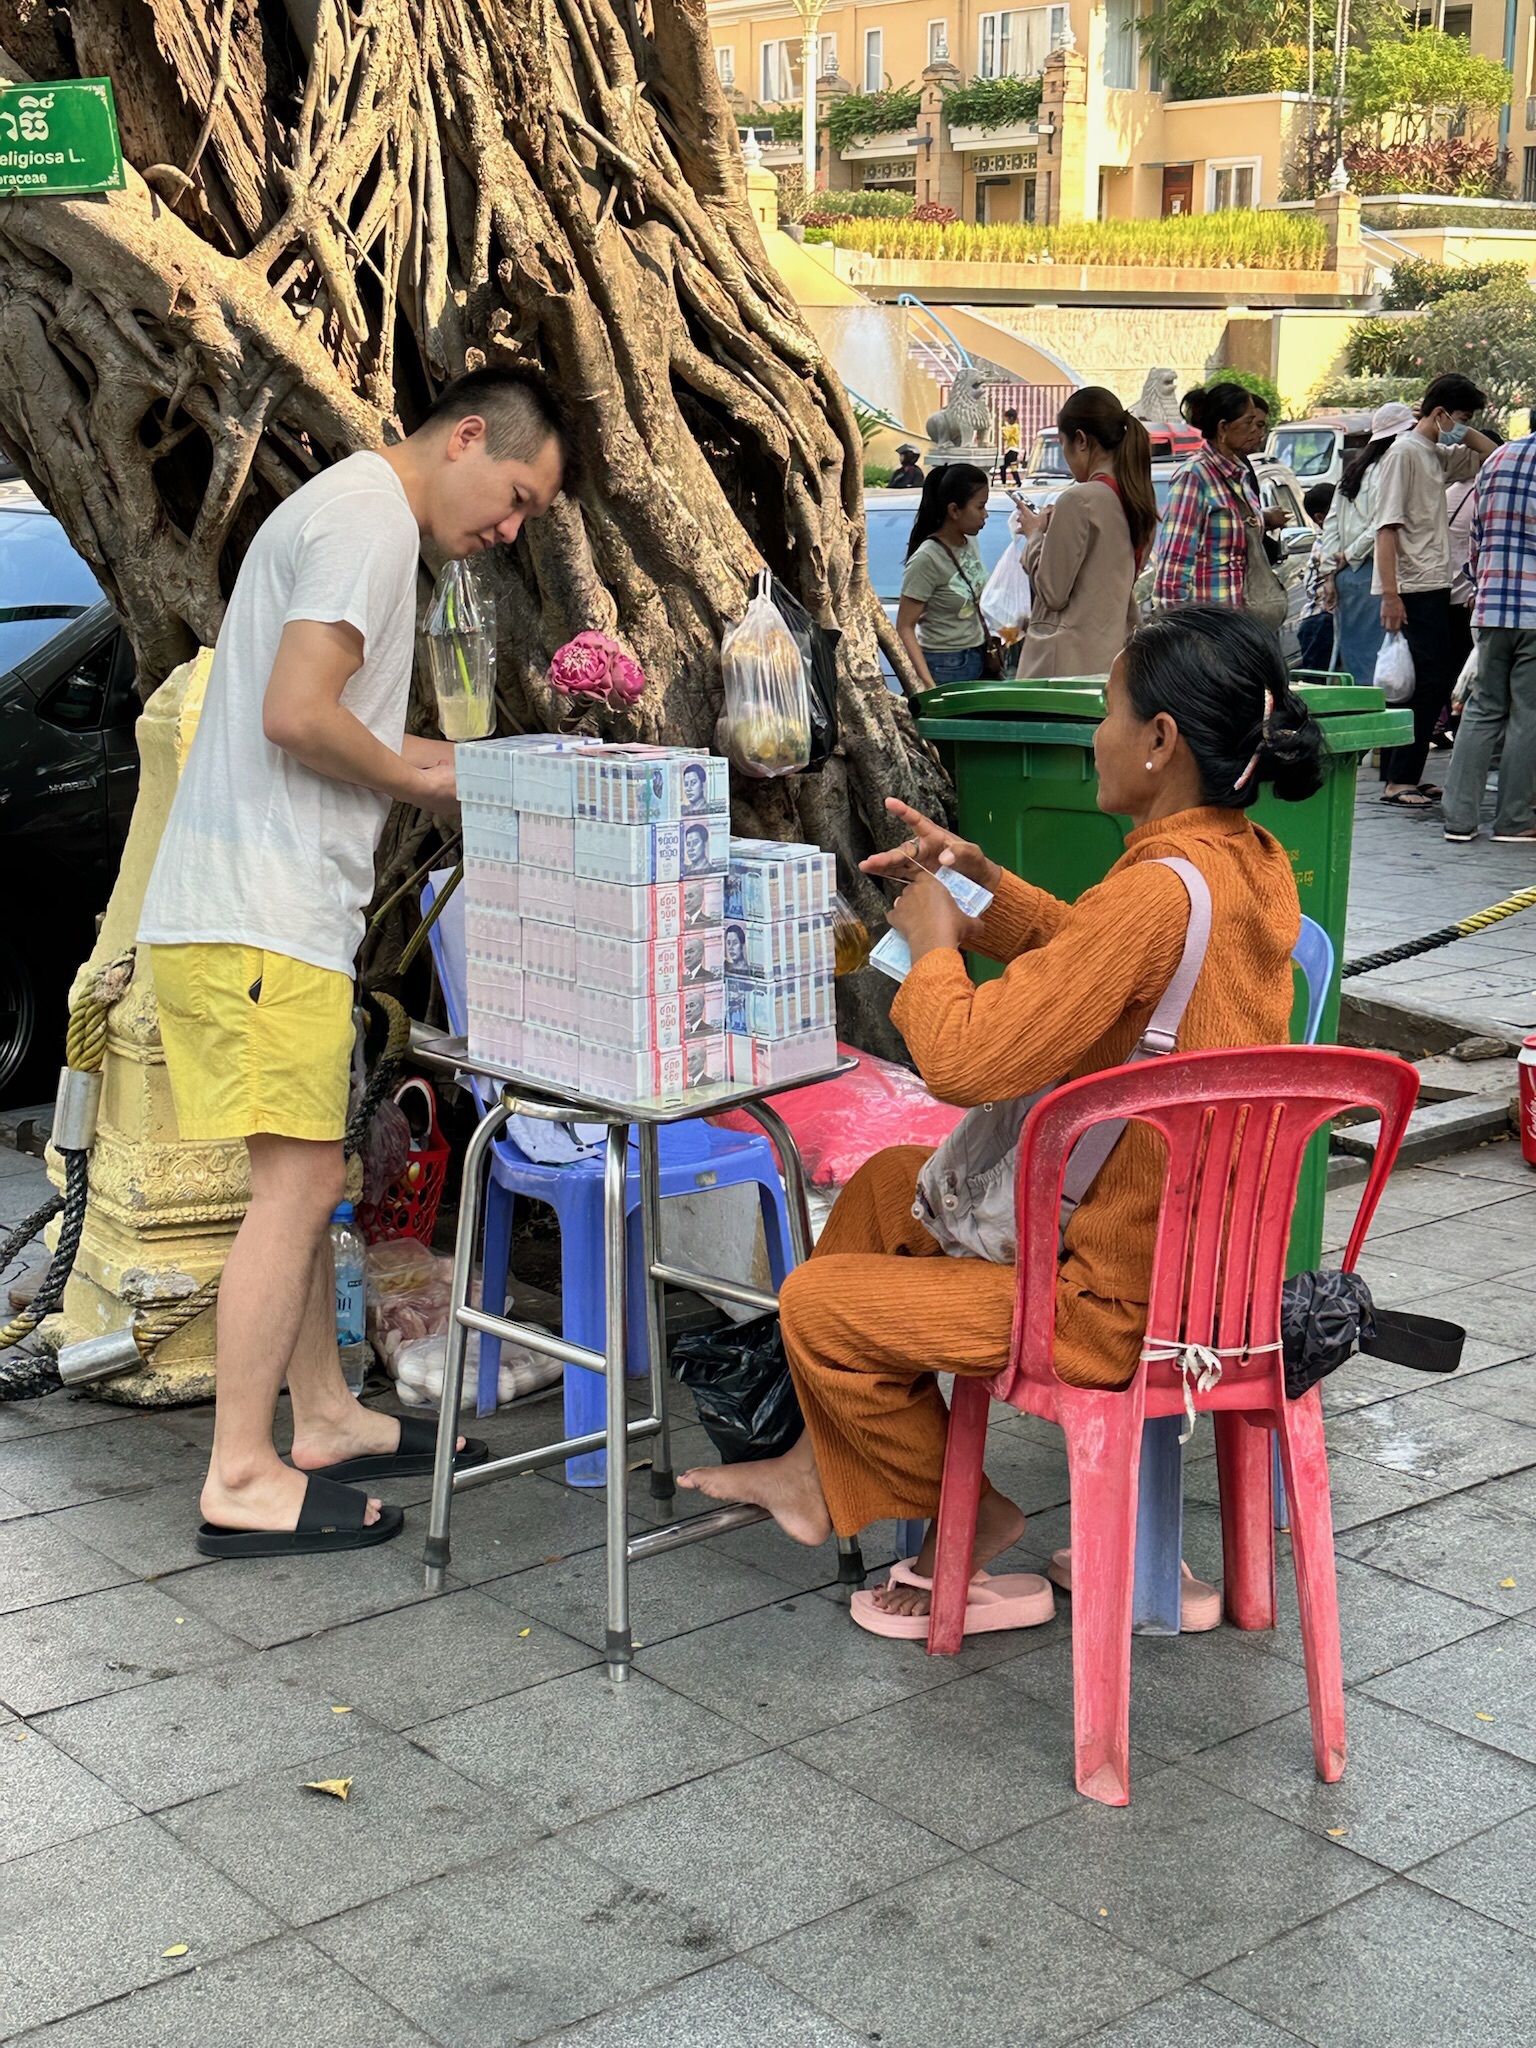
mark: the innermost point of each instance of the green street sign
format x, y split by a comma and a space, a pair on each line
59, 139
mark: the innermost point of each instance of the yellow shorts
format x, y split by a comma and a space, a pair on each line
254, 1042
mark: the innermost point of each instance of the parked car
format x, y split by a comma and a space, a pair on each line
1173, 444
69, 773
1316, 450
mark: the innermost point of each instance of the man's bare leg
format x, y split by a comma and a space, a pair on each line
329, 1422
788, 1487
266, 1296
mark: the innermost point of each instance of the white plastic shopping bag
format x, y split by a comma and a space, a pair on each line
1006, 599
1394, 669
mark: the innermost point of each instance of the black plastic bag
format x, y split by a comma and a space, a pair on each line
1325, 1317
741, 1387
818, 649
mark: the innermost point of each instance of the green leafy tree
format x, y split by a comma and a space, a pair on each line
1417, 283
1397, 88
1196, 43
1489, 335
1261, 387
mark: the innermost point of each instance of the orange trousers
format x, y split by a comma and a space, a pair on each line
869, 1320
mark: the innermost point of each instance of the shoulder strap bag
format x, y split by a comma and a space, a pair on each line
991, 646
966, 1191
1263, 592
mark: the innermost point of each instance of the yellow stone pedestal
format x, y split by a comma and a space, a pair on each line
162, 1212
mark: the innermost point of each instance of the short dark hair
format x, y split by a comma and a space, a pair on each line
521, 415
1219, 676
1316, 502
1455, 392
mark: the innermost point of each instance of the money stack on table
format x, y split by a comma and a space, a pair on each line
594, 902
779, 961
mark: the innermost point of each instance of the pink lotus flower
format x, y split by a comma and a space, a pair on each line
594, 666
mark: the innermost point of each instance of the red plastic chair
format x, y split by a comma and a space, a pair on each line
1235, 1125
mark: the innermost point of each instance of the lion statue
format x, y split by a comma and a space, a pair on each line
1158, 404
965, 421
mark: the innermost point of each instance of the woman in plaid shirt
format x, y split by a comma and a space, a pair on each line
1202, 549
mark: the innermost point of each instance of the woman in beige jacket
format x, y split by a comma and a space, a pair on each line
1084, 553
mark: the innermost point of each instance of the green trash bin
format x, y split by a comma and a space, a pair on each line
1021, 755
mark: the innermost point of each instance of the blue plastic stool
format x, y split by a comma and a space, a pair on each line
1156, 1603
695, 1157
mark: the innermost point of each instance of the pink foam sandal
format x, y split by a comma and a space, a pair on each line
1199, 1604
1016, 1600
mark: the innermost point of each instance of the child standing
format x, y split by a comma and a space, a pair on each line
1316, 630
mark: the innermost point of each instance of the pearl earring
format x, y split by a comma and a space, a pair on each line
1149, 767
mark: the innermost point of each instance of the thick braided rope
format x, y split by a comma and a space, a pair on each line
1523, 899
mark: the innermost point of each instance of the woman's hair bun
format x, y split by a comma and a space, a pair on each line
1219, 676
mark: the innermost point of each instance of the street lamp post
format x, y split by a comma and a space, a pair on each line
810, 12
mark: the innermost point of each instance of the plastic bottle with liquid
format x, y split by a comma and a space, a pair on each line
348, 1255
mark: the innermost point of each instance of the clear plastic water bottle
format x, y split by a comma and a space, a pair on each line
347, 1253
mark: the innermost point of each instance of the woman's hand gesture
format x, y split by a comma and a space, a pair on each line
930, 846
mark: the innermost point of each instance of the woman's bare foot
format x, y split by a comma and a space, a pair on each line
999, 1525
268, 1499
788, 1487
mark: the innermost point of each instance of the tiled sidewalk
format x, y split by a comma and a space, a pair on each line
781, 1833
1406, 880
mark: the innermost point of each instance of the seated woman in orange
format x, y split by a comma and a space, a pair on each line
1199, 714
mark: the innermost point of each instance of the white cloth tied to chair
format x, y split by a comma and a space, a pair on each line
1199, 1367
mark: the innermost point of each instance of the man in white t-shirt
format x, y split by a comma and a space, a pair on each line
255, 912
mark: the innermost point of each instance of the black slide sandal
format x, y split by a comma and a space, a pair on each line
417, 1452
330, 1519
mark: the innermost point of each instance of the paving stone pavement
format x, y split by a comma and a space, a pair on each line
1406, 881
781, 1833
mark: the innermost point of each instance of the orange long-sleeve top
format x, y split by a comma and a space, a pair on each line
1079, 985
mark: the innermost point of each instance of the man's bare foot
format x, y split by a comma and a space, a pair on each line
271, 1499
351, 1432
999, 1525
788, 1487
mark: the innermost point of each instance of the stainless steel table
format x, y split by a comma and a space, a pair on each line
523, 1096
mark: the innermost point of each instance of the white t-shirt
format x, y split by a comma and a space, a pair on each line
258, 849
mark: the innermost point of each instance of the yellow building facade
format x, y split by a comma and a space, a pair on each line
1135, 153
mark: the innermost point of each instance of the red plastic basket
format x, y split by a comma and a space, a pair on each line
408, 1207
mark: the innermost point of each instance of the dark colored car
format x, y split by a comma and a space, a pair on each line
69, 772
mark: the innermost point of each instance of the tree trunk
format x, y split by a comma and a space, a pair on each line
335, 207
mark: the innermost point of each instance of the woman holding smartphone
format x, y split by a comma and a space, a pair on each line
1084, 553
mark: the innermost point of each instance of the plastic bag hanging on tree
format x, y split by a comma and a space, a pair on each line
461, 653
766, 727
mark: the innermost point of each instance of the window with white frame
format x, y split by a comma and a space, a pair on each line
780, 73
1122, 49
1016, 44
725, 64
874, 60
826, 57
938, 43
1231, 182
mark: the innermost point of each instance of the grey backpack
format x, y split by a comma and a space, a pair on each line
965, 1192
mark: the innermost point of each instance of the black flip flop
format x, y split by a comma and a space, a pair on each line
417, 1454
1403, 800
330, 1519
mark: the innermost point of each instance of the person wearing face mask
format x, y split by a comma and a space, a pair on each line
1083, 554
1414, 568
1210, 547
939, 617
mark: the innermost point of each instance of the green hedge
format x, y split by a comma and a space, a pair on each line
872, 113
993, 103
